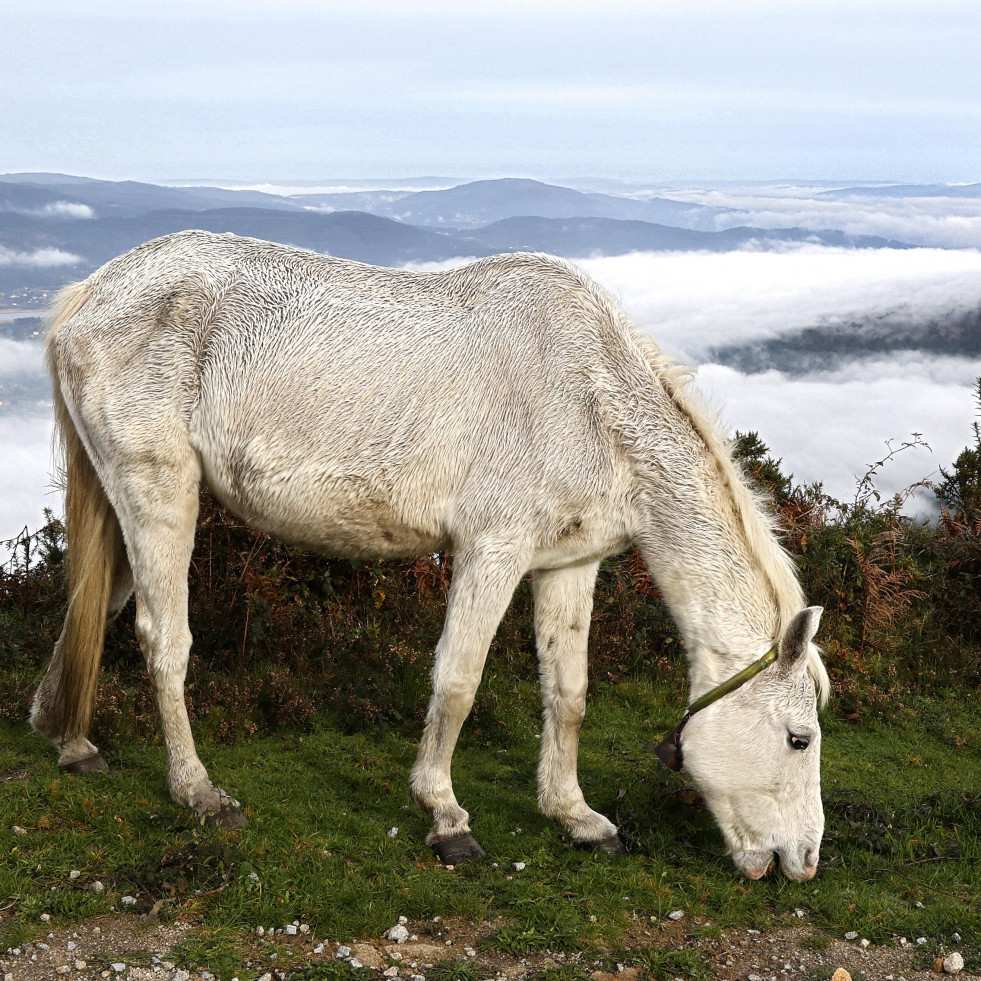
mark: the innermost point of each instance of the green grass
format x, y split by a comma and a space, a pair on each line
902, 852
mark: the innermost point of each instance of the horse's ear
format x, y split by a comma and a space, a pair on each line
795, 641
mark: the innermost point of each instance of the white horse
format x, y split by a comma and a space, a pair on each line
506, 410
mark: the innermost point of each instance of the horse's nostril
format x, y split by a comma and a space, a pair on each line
810, 858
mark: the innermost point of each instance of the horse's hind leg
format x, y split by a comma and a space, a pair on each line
158, 519
483, 583
563, 606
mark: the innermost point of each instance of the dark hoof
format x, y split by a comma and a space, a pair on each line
460, 848
229, 817
609, 846
87, 764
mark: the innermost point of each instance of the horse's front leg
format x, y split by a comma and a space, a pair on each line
483, 583
563, 606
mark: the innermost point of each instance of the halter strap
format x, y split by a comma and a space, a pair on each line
668, 750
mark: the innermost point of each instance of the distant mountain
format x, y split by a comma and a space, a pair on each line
603, 236
479, 203
43, 247
55, 228
354, 235
908, 191
46, 179
122, 198
829, 345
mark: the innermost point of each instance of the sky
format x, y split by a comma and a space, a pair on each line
632, 89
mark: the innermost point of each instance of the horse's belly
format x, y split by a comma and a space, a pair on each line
321, 508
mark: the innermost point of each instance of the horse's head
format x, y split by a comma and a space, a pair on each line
755, 756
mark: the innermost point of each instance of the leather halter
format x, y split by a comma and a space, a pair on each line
668, 750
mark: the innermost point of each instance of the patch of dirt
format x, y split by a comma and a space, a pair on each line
132, 948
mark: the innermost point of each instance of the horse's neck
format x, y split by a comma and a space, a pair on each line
693, 540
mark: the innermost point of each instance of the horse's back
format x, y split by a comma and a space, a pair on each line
356, 409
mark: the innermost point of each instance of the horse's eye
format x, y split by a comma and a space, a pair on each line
798, 742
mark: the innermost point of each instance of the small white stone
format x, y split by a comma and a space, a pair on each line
266, 977
518, 866
254, 876
128, 900
343, 952
676, 914
319, 949
97, 886
70, 945
396, 955
355, 963
403, 920
74, 874
953, 963
921, 940
17, 830
290, 930
304, 928
863, 942
80, 965
392, 832
63, 969
45, 917
955, 937
119, 967
851, 935
390, 972
398, 933
260, 931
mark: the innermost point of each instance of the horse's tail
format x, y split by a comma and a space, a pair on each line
94, 559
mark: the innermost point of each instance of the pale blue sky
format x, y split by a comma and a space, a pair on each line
676, 89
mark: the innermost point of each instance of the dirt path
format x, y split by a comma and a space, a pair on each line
130, 948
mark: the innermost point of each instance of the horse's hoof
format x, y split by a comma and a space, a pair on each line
459, 848
228, 816
611, 845
93, 763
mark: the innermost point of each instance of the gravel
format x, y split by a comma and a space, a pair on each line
131, 948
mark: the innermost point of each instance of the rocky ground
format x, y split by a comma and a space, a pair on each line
132, 948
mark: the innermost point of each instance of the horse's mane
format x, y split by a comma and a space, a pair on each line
757, 521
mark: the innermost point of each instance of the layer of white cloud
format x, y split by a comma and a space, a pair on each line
20, 358
67, 209
946, 222
26, 489
831, 428
691, 302
39, 257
